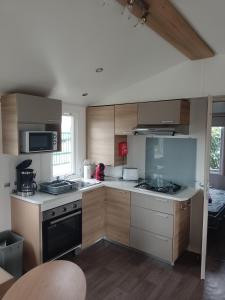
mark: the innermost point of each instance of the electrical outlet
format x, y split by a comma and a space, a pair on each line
7, 184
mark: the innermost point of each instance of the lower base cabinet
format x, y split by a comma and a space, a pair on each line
159, 226
106, 213
117, 218
148, 242
93, 216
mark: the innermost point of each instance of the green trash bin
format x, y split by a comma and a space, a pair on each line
11, 252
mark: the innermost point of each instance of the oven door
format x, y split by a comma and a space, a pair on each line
61, 234
40, 141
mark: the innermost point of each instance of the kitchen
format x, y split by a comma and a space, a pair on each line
142, 212
92, 212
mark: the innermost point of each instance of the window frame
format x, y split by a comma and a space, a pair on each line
73, 142
221, 170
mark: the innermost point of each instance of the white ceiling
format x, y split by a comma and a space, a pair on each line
52, 47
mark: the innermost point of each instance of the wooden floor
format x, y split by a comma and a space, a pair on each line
115, 272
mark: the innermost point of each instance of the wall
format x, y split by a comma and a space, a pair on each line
190, 79
171, 159
41, 164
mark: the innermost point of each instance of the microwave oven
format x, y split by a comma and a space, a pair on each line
38, 141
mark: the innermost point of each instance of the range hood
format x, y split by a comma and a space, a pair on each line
161, 130
154, 130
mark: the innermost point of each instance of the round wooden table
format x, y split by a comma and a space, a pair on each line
58, 280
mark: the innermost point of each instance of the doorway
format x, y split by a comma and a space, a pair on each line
216, 198
213, 242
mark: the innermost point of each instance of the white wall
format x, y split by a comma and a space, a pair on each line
190, 79
41, 163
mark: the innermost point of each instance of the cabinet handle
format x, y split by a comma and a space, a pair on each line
167, 122
163, 200
162, 215
161, 238
56, 121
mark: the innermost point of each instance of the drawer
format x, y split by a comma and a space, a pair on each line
152, 202
152, 244
150, 220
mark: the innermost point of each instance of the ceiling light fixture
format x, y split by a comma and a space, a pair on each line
142, 7
85, 94
99, 70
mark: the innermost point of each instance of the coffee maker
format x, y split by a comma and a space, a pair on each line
26, 186
99, 172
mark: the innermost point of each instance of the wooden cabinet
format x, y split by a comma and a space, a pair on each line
159, 227
93, 216
34, 109
117, 220
126, 118
175, 112
26, 221
24, 112
102, 144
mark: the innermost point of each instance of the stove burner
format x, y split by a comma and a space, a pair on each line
167, 187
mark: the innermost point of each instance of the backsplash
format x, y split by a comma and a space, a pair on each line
171, 159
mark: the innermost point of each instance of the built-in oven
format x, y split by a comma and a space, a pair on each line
61, 230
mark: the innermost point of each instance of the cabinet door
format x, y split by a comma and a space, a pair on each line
153, 221
164, 112
181, 227
151, 243
152, 202
33, 109
118, 215
125, 118
100, 134
93, 216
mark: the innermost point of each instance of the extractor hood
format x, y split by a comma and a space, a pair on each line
154, 130
161, 130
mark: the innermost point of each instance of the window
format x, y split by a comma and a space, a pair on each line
216, 150
63, 162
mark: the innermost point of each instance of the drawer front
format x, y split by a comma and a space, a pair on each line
152, 202
152, 244
156, 222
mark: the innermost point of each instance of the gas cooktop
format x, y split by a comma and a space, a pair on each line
162, 186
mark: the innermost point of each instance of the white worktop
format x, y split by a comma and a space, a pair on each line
48, 201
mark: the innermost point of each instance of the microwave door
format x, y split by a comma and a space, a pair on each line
40, 142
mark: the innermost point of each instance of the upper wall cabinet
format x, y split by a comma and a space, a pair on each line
126, 118
24, 112
175, 112
102, 144
33, 109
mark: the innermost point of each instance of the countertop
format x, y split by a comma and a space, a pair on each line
48, 201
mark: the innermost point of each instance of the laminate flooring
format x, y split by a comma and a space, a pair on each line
115, 272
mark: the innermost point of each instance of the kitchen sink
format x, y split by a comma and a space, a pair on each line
57, 187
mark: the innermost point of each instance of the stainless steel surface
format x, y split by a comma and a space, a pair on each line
61, 210
155, 130
160, 185
64, 186
64, 218
25, 194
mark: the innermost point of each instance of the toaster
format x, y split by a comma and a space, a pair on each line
130, 174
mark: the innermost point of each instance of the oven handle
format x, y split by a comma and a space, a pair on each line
64, 218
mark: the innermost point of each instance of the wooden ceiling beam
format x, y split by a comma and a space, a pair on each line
169, 23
